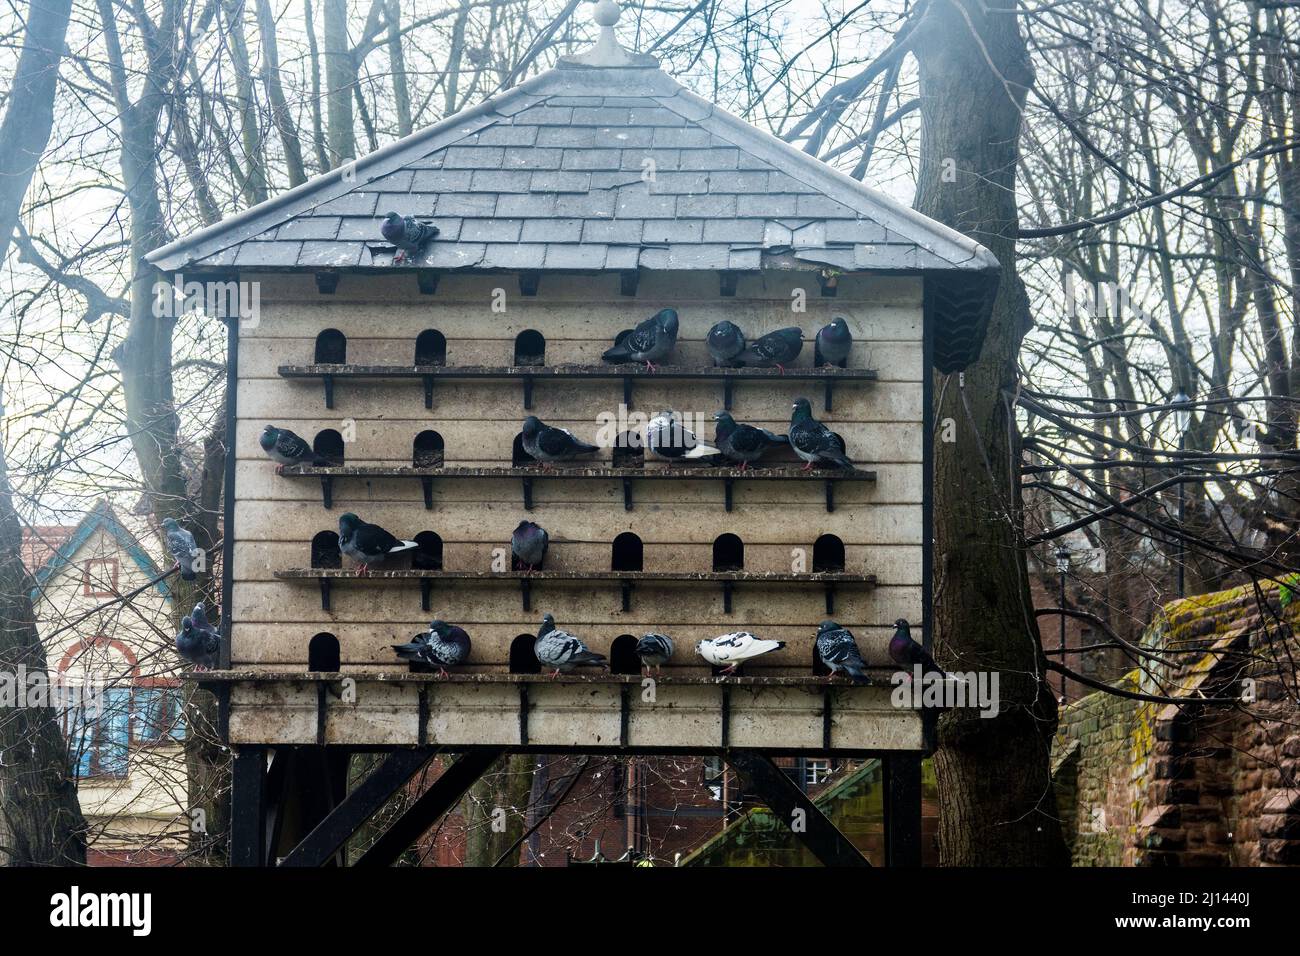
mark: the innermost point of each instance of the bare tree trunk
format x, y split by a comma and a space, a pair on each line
313, 56
340, 77
499, 797
397, 67
254, 179
280, 113
996, 804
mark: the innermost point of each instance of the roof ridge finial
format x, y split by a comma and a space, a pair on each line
608, 51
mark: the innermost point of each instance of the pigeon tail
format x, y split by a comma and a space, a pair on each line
618, 355
587, 657
403, 546
702, 451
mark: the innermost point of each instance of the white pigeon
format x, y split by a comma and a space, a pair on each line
667, 437
731, 650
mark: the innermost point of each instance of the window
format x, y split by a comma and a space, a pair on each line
158, 715
522, 658
329, 444
99, 578
98, 730
728, 553
426, 451
430, 348
816, 771
331, 347
627, 553
325, 550
530, 348
323, 653
622, 656
828, 554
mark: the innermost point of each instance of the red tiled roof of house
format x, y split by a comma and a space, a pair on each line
41, 541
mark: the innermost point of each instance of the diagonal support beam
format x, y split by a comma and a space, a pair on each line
325, 840
444, 794
792, 807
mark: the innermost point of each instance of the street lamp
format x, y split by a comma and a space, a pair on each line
1062, 555
1182, 422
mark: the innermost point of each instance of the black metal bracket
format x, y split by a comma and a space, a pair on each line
727, 393
523, 715
526, 593
427, 482
327, 490
727, 587
422, 728
528, 392
428, 391
727, 486
626, 585
830, 495
627, 494
327, 282
829, 402
725, 712
427, 280
624, 712
528, 492
628, 280
528, 282
826, 718
322, 702
426, 592
830, 597
627, 390
328, 382
325, 594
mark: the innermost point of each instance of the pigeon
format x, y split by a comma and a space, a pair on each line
444, 645
743, 443
731, 650
834, 342
906, 653
651, 342
839, 651
726, 342
548, 444
667, 437
367, 544
181, 544
814, 442
198, 642
654, 651
528, 545
408, 234
560, 650
779, 348
285, 448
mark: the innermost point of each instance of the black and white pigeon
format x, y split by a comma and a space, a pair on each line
839, 651
743, 443
650, 342
906, 653
408, 234
726, 343
779, 349
549, 444
812, 441
834, 342
667, 437
560, 650
181, 544
198, 641
443, 645
731, 650
655, 650
368, 544
528, 545
285, 448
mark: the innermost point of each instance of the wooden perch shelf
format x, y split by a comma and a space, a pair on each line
626, 580
528, 374
527, 475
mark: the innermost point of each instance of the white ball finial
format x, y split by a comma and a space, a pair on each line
607, 13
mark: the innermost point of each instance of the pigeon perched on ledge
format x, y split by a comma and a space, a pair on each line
368, 544
528, 545
743, 443
652, 341
655, 650
443, 645
408, 234
839, 651
560, 650
285, 448
731, 650
726, 343
667, 437
906, 653
779, 349
814, 442
182, 547
198, 641
834, 342
549, 444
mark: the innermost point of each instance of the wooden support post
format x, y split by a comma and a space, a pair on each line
248, 807
759, 775
902, 809
442, 795
365, 800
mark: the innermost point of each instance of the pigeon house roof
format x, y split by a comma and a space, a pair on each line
604, 163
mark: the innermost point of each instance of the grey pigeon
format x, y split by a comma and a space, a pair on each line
548, 444
652, 341
528, 545
906, 653
198, 642
731, 650
834, 342
839, 651
408, 234
779, 348
181, 544
444, 645
726, 343
814, 442
655, 650
667, 437
560, 650
743, 443
285, 448
368, 544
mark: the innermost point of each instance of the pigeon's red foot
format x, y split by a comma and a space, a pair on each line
807, 466
781, 367
650, 367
